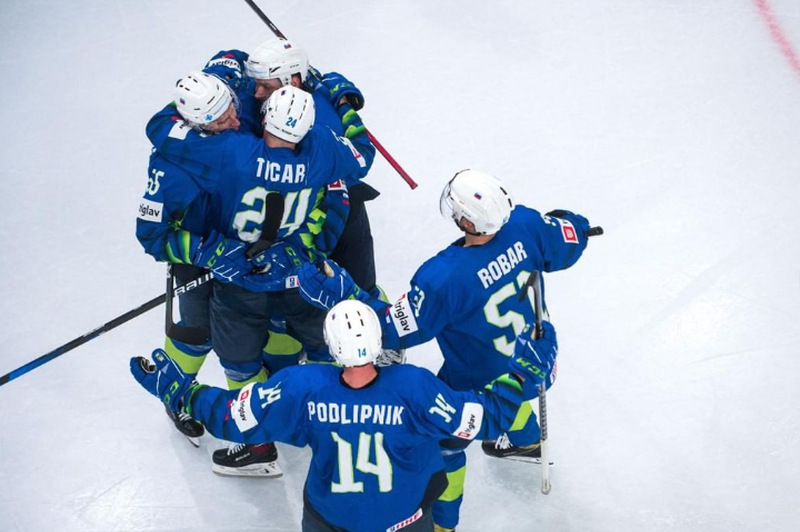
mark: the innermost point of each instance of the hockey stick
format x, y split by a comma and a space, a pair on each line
534, 282
94, 333
181, 333
316, 73
537, 333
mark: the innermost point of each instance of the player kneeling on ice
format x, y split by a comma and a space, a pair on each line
374, 432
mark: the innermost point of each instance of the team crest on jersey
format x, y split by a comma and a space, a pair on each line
568, 231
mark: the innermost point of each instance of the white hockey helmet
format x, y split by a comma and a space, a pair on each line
289, 113
202, 98
277, 59
480, 198
353, 333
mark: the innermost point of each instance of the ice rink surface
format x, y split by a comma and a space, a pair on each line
673, 124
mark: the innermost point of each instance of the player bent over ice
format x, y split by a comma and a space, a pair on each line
373, 432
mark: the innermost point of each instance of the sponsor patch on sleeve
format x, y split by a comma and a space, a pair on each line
568, 231
179, 130
403, 317
471, 420
242, 410
150, 211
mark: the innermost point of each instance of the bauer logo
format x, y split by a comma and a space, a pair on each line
568, 231
403, 317
242, 410
471, 420
150, 211
405, 522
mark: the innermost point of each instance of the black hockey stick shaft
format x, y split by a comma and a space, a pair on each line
316, 73
182, 333
91, 335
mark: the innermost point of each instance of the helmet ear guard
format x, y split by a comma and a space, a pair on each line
277, 59
479, 198
353, 333
202, 98
289, 113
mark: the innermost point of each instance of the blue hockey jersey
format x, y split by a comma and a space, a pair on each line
172, 205
376, 448
238, 170
468, 297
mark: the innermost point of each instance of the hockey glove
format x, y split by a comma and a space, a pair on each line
225, 257
327, 284
164, 379
578, 222
228, 65
275, 269
533, 359
339, 87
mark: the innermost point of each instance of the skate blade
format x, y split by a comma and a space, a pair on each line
535, 461
268, 470
194, 440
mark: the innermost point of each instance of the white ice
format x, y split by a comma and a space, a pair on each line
673, 124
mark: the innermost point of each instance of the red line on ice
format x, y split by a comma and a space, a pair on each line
765, 10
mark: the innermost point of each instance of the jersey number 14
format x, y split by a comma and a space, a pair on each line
381, 467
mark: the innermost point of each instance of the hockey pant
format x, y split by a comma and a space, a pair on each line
355, 250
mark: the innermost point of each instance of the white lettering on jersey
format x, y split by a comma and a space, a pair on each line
242, 410
403, 317
280, 173
503, 264
471, 420
150, 211
442, 408
346, 414
269, 395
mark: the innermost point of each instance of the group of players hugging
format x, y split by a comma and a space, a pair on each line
256, 176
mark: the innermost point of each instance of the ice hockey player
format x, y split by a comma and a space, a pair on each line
374, 432
239, 170
277, 63
467, 298
173, 208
